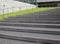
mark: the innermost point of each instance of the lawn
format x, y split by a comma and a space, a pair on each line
23, 12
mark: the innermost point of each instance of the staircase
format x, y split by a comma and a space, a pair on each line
35, 28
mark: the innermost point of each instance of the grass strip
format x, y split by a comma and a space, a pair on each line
23, 12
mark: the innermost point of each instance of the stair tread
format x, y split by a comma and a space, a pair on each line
30, 23
8, 28
7, 41
33, 20
31, 28
31, 35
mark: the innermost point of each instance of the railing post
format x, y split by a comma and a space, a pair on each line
3, 10
12, 10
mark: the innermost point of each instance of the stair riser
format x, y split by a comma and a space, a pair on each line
29, 39
33, 22
31, 31
32, 19
38, 26
41, 16
37, 21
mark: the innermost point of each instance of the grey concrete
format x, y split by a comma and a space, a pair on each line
26, 24
34, 21
31, 28
7, 41
30, 36
39, 27
53, 15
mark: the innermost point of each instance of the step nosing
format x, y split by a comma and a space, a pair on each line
33, 31
26, 39
53, 22
32, 24
31, 28
18, 38
32, 35
34, 20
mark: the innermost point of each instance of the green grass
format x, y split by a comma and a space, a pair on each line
23, 12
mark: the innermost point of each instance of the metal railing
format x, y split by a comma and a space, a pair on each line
8, 10
13, 9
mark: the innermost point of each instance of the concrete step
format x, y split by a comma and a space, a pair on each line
52, 31
55, 19
33, 37
9, 41
34, 17
32, 21
38, 25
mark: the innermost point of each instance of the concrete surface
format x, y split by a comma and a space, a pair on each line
32, 27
